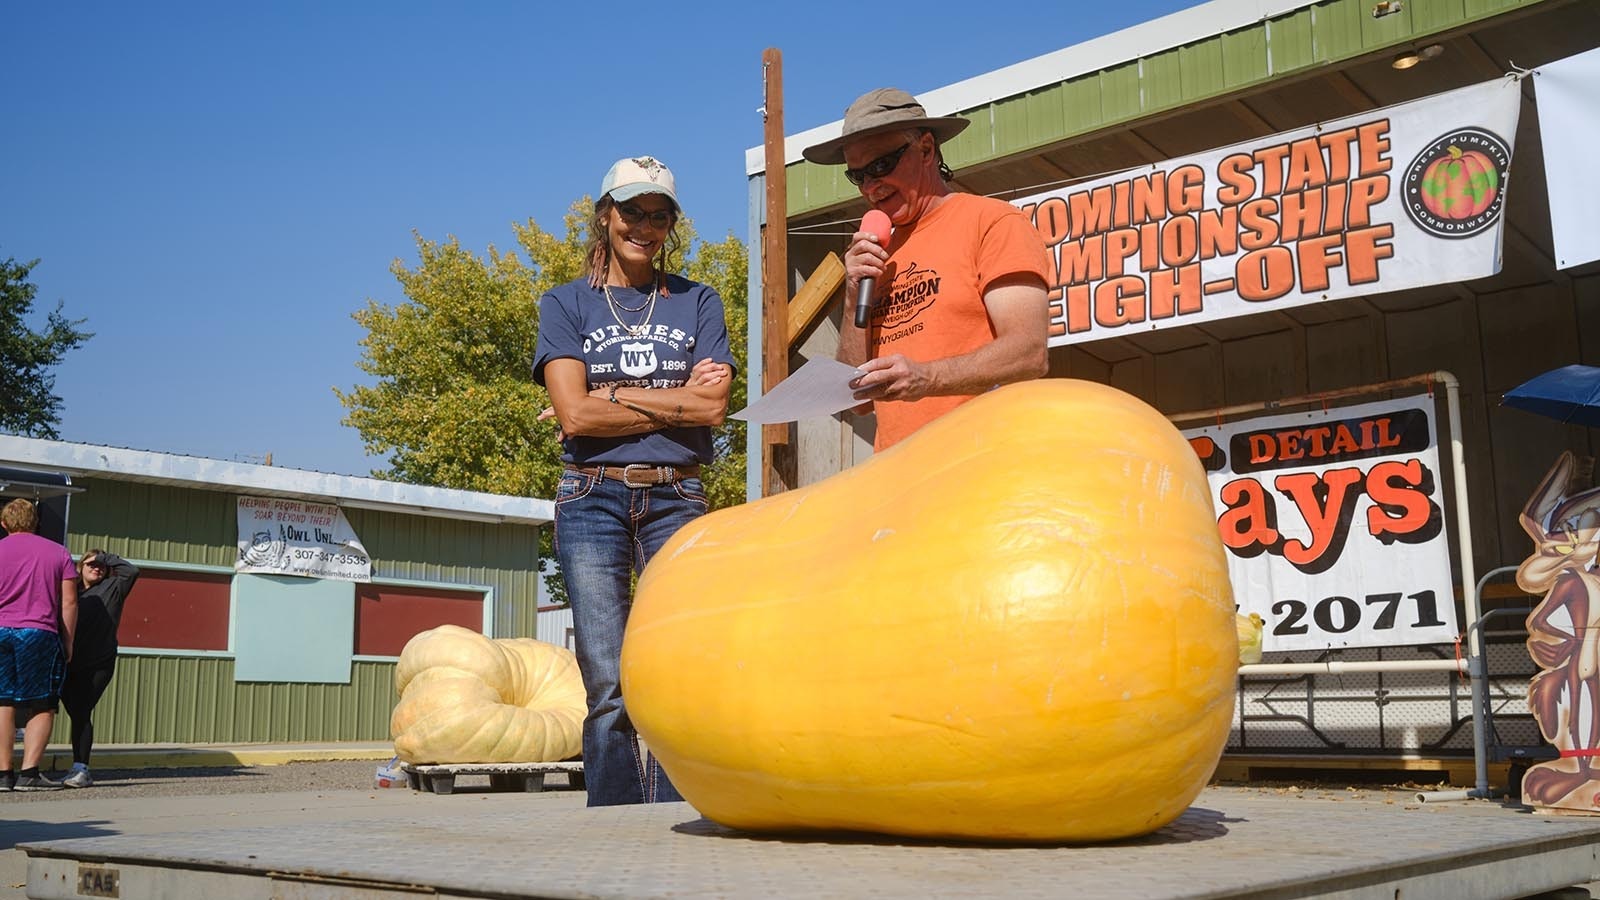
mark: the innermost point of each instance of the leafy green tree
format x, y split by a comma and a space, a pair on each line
28, 404
454, 403
725, 266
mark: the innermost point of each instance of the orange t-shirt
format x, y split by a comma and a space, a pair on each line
929, 302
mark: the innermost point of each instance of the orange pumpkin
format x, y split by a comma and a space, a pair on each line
1014, 625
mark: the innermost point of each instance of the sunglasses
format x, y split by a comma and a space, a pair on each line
633, 215
878, 168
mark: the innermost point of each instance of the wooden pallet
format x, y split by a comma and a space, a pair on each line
527, 777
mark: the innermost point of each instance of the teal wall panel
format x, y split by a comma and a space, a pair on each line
289, 629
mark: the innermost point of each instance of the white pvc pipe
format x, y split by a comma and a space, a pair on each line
1469, 585
1442, 796
1338, 667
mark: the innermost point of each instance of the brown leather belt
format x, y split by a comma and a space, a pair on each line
639, 475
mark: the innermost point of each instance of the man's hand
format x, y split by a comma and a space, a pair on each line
866, 258
893, 377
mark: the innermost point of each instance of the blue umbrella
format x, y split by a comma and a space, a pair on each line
1570, 393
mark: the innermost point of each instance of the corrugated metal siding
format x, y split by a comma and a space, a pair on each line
188, 698
554, 625
1166, 81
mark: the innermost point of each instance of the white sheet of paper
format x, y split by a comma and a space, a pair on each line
821, 387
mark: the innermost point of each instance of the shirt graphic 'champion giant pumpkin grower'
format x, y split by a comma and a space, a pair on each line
1016, 625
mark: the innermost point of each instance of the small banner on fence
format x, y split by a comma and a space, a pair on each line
1334, 525
1400, 197
293, 537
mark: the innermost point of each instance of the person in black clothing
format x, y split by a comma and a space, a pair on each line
105, 580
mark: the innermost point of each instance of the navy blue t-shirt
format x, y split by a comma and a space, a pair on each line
685, 326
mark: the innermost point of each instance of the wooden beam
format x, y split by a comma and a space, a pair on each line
813, 296
1345, 86
774, 268
1143, 145
1253, 119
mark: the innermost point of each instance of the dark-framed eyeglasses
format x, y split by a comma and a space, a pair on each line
878, 168
633, 215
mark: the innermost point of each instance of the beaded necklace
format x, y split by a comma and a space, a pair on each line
648, 308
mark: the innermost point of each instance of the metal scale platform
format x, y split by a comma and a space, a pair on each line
1234, 842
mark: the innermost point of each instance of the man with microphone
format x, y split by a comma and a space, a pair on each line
955, 294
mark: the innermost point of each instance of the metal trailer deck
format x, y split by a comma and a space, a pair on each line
1234, 842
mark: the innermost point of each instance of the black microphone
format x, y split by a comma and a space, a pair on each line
876, 223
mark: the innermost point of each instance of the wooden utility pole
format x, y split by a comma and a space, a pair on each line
776, 447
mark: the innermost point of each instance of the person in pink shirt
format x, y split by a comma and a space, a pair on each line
38, 614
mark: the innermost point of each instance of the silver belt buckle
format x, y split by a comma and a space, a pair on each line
627, 480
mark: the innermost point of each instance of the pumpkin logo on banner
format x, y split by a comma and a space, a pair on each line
1456, 186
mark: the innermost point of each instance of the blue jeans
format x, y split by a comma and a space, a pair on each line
605, 533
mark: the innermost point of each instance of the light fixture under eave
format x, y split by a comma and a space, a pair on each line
1405, 59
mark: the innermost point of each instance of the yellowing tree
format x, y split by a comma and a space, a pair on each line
454, 403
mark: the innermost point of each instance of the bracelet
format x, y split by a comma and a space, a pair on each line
613, 395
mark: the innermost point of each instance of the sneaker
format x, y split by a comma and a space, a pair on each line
35, 783
78, 778
9, 779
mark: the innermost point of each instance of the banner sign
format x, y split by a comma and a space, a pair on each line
293, 537
1334, 526
1569, 129
1395, 198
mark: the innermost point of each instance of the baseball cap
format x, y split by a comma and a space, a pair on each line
631, 176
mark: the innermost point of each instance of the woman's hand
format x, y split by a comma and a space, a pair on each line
706, 373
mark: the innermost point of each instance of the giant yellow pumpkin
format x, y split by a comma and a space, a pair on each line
1015, 625
467, 698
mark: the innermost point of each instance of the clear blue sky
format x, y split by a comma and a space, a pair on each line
216, 187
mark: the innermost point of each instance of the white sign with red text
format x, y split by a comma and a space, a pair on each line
1334, 525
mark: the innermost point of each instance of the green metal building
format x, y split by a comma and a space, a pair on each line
323, 650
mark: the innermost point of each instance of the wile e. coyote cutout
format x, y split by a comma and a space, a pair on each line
1563, 518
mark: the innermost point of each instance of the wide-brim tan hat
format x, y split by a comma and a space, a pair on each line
885, 109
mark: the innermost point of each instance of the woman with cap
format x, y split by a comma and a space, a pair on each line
637, 364
104, 580
960, 304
